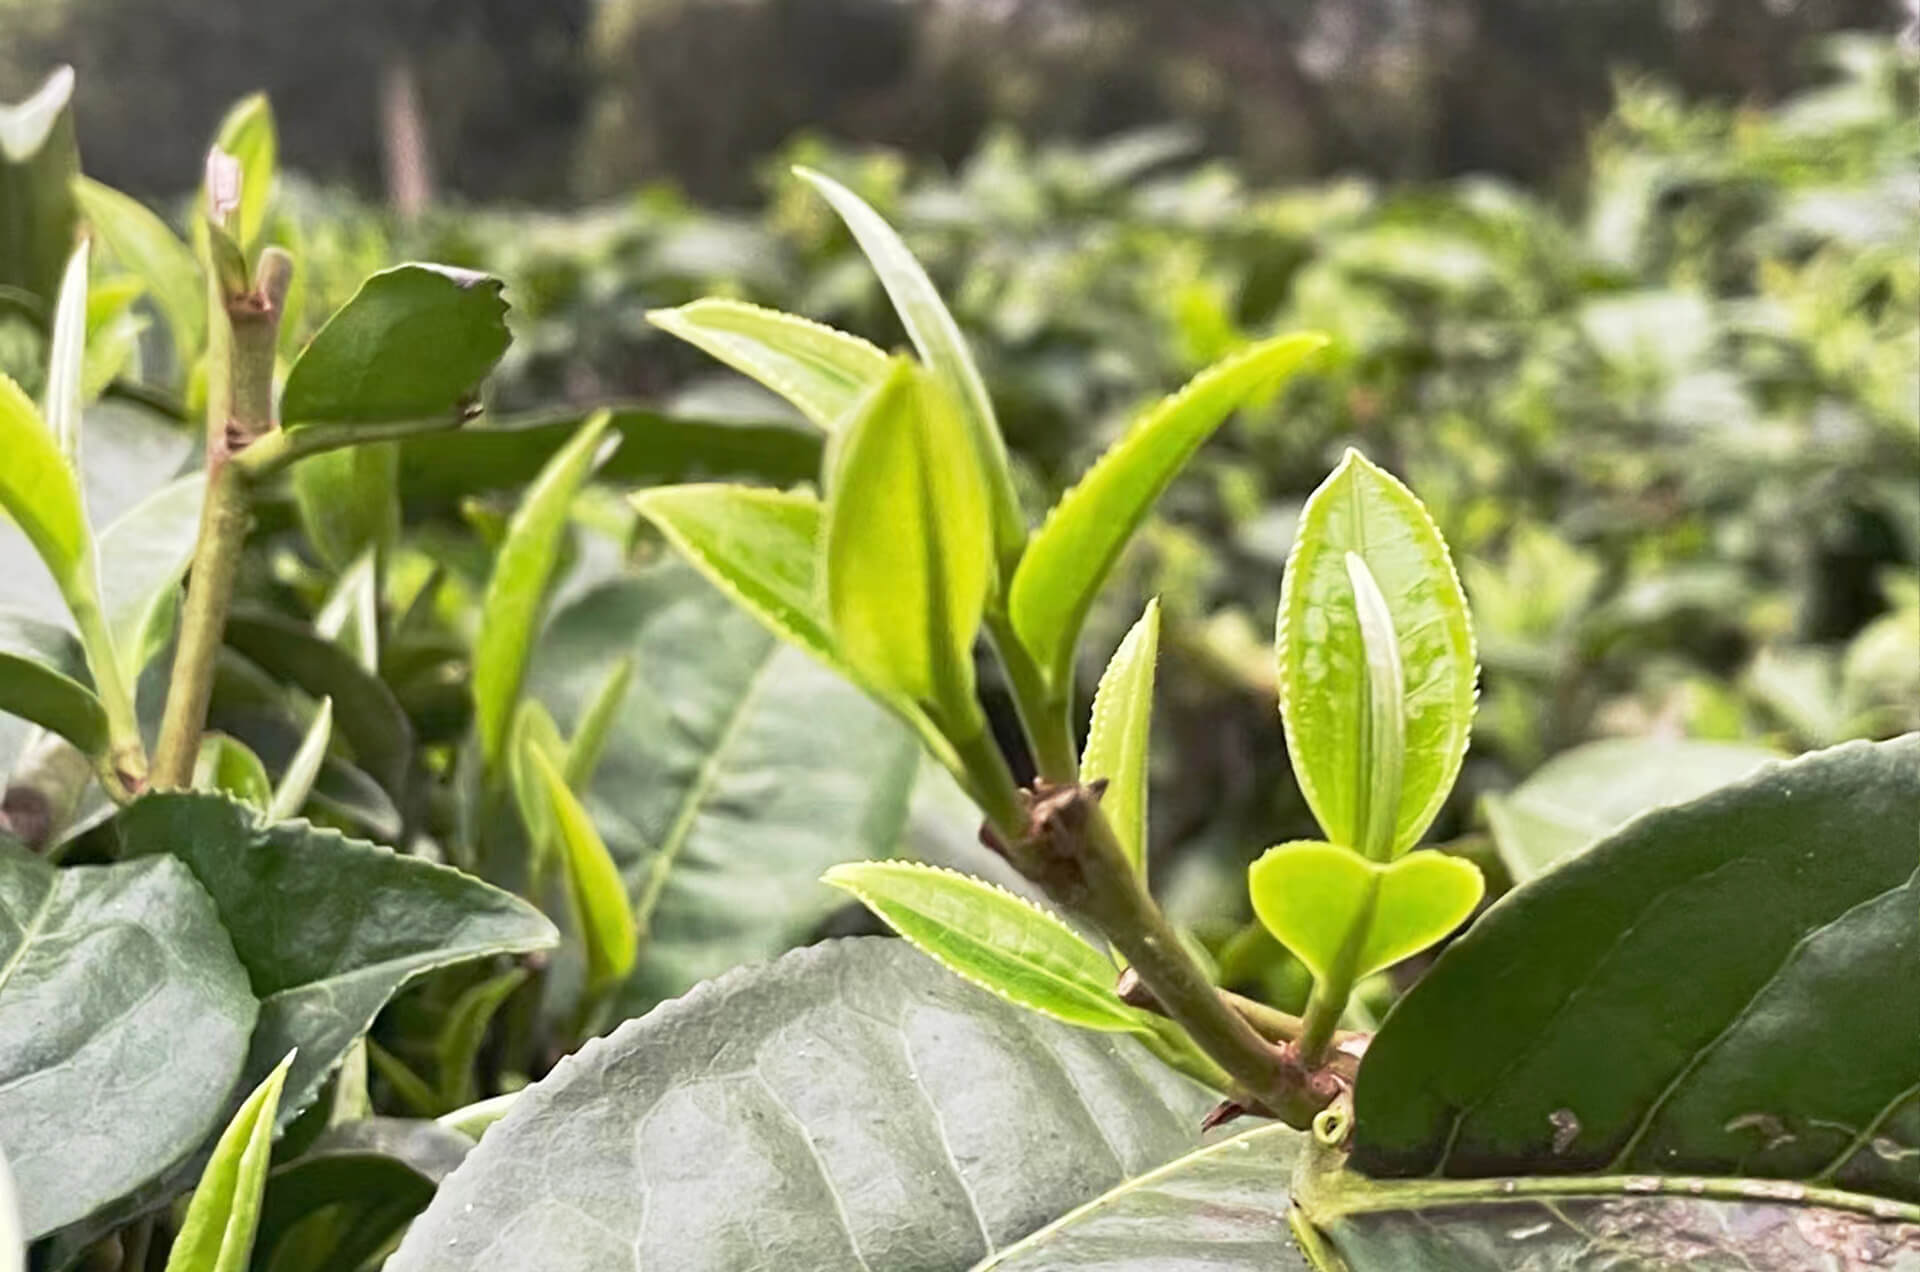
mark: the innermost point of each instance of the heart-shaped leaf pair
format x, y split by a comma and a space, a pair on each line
1347, 917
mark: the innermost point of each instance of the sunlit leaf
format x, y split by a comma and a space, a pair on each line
1118, 741
606, 924
823, 372
217, 1233
144, 244
229, 766
39, 490
1322, 657
296, 783
247, 133
996, 940
1075, 548
67, 357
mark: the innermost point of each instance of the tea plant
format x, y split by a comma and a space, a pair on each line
232, 1036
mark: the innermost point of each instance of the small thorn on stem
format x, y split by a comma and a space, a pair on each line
1222, 1113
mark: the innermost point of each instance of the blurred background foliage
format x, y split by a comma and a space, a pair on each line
1628, 292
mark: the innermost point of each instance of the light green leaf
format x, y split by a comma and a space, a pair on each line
411, 347
998, 941
937, 337
39, 491
1217, 1208
38, 163
217, 1234
143, 554
606, 924
517, 590
1581, 796
229, 766
43, 678
457, 1048
329, 928
247, 133
296, 783
907, 549
761, 547
109, 967
590, 735
1383, 724
67, 358
1727, 987
144, 244
349, 500
1323, 659
1075, 548
1119, 740
533, 732
736, 771
854, 1106
823, 372
1317, 898
350, 617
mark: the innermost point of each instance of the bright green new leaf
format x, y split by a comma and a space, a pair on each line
229, 765
1118, 741
510, 610
349, 500
67, 358
1322, 654
458, 1046
217, 1234
993, 938
144, 244
410, 349
43, 678
606, 925
596, 726
907, 551
296, 783
38, 163
247, 133
114, 330
761, 547
534, 733
1317, 898
822, 371
1383, 725
1074, 549
937, 338
39, 490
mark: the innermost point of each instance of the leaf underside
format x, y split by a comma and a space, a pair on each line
853, 1105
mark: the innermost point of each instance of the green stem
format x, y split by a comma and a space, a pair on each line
1070, 850
124, 770
1328, 1002
990, 783
1045, 715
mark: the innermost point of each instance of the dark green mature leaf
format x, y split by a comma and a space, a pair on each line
43, 678
437, 470
380, 1171
1725, 987
328, 927
1578, 798
1081, 538
364, 710
124, 1018
737, 771
413, 344
38, 162
1221, 1207
853, 1105
145, 245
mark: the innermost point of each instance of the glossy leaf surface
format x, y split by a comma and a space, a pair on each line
413, 344
1221, 1207
66, 358
38, 163
1119, 741
735, 773
328, 927
823, 372
517, 589
217, 1233
855, 1106
39, 490
1724, 987
296, 782
993, 938
1578, 798
1073, 551
110, 969
1315, 897
1322, 659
